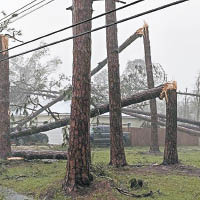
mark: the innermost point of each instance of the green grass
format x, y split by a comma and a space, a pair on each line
139, 155
170, 186
37, 178
34, 177
1, 197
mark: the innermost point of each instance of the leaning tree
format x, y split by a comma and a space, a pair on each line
154, 146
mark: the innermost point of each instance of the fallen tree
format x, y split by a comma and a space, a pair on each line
179, 119
136, 98
30, 155
184, 125
100, 65
125, 44
35, 114
189, 94
179, 128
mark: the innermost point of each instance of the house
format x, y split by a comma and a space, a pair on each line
63, 108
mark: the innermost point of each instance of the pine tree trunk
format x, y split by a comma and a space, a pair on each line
154, 147
78, 165
117, 154
5, 148
170, 152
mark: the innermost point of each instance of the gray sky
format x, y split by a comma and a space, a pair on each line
174, 35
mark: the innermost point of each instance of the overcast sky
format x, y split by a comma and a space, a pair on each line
174, 35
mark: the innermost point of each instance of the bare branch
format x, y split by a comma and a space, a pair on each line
35, 114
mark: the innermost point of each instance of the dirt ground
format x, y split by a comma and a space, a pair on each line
177, 169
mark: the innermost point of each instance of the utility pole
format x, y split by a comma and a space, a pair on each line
5, 147
154, 147
117, 153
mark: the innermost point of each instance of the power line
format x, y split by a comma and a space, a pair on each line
190, 94
18, 10
71, 26
32, 11
26, 10
96, 29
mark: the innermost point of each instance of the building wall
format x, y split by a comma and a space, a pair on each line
141, 137
56, 135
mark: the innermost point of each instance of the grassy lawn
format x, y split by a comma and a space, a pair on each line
39, 179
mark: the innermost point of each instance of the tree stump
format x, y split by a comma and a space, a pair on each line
170, 152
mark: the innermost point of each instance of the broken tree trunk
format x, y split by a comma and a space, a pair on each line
154, 147
189, 94
78, 165
35, 114
42, 128
179, 119
136, 98
30, 155
193, 131
123, 46
170, 152
117, 153
5, 148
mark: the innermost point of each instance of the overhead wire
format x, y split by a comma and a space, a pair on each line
17, 10
25, 10
32, 11
71, 26
99, 28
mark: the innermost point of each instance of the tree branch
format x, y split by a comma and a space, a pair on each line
35, 114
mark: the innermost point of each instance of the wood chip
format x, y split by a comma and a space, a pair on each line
15, 158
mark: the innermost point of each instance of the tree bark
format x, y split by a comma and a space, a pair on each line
30, 155
136, 98
154, 147
117, 153
78, 165
5, 147
170, 152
